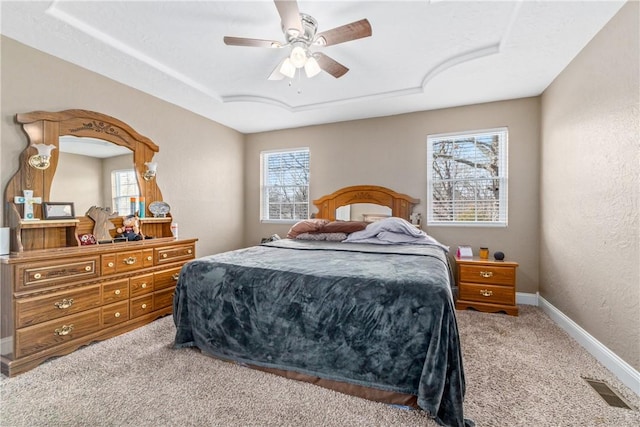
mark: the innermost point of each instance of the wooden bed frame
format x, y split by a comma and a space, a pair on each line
401, 205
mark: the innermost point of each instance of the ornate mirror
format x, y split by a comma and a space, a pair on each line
84, 128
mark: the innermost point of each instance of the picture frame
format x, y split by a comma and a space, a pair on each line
58, 210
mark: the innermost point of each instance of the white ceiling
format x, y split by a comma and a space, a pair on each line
422, 55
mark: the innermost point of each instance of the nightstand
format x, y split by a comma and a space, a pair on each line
486, 285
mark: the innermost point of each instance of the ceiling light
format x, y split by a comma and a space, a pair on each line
311, 67
298, 56
287, 68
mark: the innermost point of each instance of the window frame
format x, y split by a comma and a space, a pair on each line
264, 178
502, 177
116, 185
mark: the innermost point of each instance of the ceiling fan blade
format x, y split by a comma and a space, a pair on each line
330, 65
289, 14
353, 31
241, 41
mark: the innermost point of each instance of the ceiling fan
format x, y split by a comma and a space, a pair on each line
300, 33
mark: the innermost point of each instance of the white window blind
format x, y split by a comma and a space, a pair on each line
467, 175
123, 186
285, 185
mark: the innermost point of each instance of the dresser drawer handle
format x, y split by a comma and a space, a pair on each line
486, 274
149, 258
175, 276
117, 314
144, 306
65, 330
110, 265
189, 251
117, 292
37, 276
143, 286
486, 292
164, 255
87, 268
130, 261
65, 303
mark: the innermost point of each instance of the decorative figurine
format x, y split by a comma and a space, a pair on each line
102, 218
130, 229
28, 201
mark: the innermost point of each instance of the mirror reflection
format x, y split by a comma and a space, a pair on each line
362, 212
94, 172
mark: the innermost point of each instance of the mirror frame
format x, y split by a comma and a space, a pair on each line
43, 127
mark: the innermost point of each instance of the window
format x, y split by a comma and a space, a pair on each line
467, 176
285, 185
123, 186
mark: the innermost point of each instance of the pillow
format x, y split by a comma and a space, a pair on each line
343, 227
330, 237
306, 226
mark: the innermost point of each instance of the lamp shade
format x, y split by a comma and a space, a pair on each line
311, 67
298, 56
287, 68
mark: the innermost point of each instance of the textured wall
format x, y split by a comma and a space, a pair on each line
392, 152
199, 164
590, 186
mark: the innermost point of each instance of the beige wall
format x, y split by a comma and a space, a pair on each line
590, 187
392, 152
200, 163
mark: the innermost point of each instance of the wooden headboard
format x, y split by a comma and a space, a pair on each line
401, 205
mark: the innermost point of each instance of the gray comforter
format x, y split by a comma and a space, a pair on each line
377, 316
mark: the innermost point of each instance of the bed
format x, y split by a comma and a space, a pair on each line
351, 314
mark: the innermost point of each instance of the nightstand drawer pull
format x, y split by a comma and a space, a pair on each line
486, 274
130, 261
65, 303
65, 330
486, 292
175, 276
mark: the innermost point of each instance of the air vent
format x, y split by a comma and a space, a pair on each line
607, 394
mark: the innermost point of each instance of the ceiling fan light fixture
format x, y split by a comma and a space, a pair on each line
298, 56
311, 67
287, 68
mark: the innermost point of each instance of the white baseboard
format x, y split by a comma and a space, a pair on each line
527, 299
621, 369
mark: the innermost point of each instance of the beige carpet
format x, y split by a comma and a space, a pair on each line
521, 371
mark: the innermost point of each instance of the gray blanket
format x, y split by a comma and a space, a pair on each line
377, 316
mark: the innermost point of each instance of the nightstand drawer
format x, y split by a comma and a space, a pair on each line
487, 293
492, 274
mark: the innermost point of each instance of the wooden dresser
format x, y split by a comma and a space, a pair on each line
55, 301
57, 295
485, 285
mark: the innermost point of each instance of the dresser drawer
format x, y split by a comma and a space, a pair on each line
163, 298
44, 335
166, 279
487, 274
174, 254
115, 313
30, 311
128, 261
41, 274
115, 291
141, 285
487, 293
142, 305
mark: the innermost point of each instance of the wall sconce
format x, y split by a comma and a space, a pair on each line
41, 160
150, 173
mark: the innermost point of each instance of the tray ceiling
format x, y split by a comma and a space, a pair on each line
422, 55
